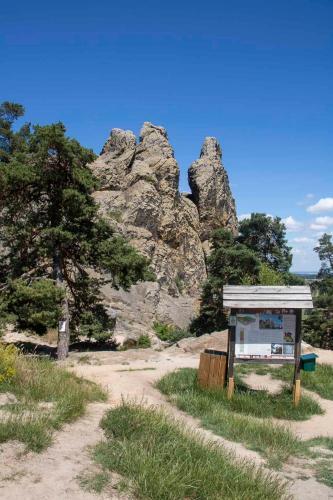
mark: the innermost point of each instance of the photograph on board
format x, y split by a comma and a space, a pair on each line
268, 321
276, 349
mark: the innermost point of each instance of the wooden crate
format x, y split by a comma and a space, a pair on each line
212, 368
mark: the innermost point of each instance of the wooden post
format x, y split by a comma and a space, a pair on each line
298, 347
231, 356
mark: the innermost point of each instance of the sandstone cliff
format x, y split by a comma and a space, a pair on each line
140, 197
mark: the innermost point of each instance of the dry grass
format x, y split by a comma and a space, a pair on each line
48, 396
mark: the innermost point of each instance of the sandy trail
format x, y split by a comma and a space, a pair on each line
53, 474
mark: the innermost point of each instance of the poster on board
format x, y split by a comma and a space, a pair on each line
265, 334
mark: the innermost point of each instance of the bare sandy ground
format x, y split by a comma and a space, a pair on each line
54, 473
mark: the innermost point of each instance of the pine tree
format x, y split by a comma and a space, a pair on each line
230, 263
266, 236
50, 229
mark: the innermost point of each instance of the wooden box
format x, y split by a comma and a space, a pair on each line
212, 368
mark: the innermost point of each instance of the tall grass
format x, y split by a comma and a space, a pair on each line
319, 381
38, 381
245, 419
159, 460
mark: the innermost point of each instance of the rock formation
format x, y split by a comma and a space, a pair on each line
211, 192
140, 196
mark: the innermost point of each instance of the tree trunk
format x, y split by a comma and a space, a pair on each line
63, 327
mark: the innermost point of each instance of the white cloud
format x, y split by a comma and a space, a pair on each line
323, 205
292, 224
309, 196
324, 221
317, 227
244, 216
303, 239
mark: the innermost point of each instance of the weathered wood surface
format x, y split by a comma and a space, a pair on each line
204, 366
266, 289
212, 370
267, 297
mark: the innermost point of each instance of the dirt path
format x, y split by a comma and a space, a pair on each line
53, 474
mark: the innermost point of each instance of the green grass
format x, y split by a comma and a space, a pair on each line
322, 441
94, 482
324, 472
143, 342
319, 381
246, 419
159, 460
38, 381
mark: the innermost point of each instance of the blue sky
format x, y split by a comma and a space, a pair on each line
257, 75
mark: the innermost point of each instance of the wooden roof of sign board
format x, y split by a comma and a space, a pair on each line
263, 297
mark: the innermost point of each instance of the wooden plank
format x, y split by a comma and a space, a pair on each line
265, 289
297, 392
204, 368
214, 371
268, 304
266, 296
231, 388
231, 356
298, 349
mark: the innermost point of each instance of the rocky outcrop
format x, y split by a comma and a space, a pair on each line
140, 197
211, 192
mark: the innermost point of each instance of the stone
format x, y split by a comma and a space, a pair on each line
211, 192
214, 340
140, 197
7, 398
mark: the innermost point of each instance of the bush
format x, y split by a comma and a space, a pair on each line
143, 342
169, 333
8, 355
37, 305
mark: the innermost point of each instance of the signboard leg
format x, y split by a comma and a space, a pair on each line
297, 372
231, 357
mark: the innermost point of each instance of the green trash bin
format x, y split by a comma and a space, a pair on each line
308, 362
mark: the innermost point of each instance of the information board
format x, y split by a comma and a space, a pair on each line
265, 334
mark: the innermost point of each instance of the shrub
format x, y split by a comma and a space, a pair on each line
37, 305
143, 342
8, 355
169, 333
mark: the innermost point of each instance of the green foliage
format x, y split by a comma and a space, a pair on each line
157, 459
8, 357
325, 253
230, 262
318, 323
50, 228
318, 328
143, 342
269, 276
266, 236
170, 333
37, 304
36, 382
179, 283
9, 113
